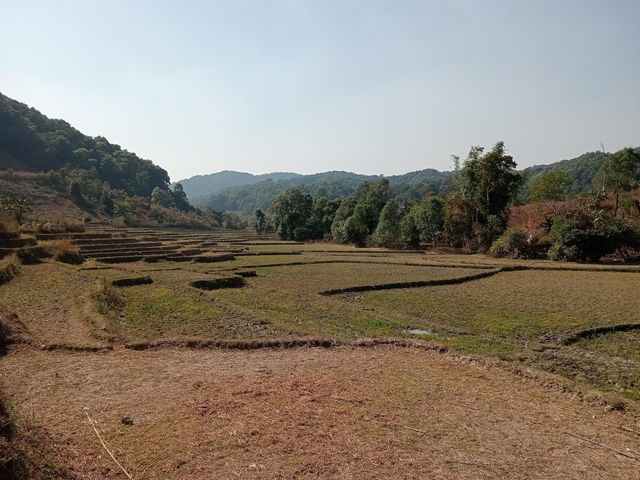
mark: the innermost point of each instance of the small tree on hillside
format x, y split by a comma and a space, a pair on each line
620, 173
551, 185
15, 206
162, 197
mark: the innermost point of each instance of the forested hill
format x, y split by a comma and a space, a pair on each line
30, 141
335, 184
581, 171
258, 192
205, 185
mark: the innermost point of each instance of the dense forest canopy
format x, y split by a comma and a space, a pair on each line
30, 141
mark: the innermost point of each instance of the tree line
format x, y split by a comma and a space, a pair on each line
474, 213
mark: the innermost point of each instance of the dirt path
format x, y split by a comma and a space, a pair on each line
341, 413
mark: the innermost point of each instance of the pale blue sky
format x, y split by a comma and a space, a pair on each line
369, 86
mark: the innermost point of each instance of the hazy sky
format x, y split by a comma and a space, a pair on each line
307, 86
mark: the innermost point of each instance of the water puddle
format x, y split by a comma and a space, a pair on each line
417, 331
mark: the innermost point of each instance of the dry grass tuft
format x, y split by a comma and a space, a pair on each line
9, 268
64, 251
62, 226
9, 228
109, 298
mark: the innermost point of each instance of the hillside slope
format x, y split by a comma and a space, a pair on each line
32, 142
204, 185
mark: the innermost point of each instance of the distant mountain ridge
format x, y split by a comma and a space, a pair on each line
258, 191
203, 185
249, 192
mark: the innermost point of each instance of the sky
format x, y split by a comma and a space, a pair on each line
369, 86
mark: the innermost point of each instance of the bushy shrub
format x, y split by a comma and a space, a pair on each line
64, 226
572, 241
233, 221
514, 243
485, 234
9, 229
108, 298
9, 268
64, 251
32, 255
302, 234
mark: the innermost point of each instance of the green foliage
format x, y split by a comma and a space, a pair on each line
512, 243
15, 207
552, 185
38, 143
163, 197
290, 211
429, 218
233, 221
322, 216
123, 207
372, 197
356, 228
458, 220
424, 221
344, 211
620, 173
409, 230
180, 198
260, 221
366, 206
388, 231
245, 192
302, 234
580, 172
576, 240
488, 182
486, 233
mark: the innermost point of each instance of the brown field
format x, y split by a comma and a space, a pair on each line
522, 374
381, 412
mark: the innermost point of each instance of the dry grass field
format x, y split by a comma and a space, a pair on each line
431, 366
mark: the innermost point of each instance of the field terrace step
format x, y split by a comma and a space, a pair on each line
121, 246
73, 236
129, 253
16, 242
90, 242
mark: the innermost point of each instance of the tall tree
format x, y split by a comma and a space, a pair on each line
488, 181
387, 232
291, 210
621, 173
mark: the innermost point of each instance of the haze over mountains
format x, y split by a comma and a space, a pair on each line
238, 191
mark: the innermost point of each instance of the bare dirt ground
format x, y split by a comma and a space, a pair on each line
339, 413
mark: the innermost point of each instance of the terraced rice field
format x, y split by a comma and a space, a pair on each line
477, 368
